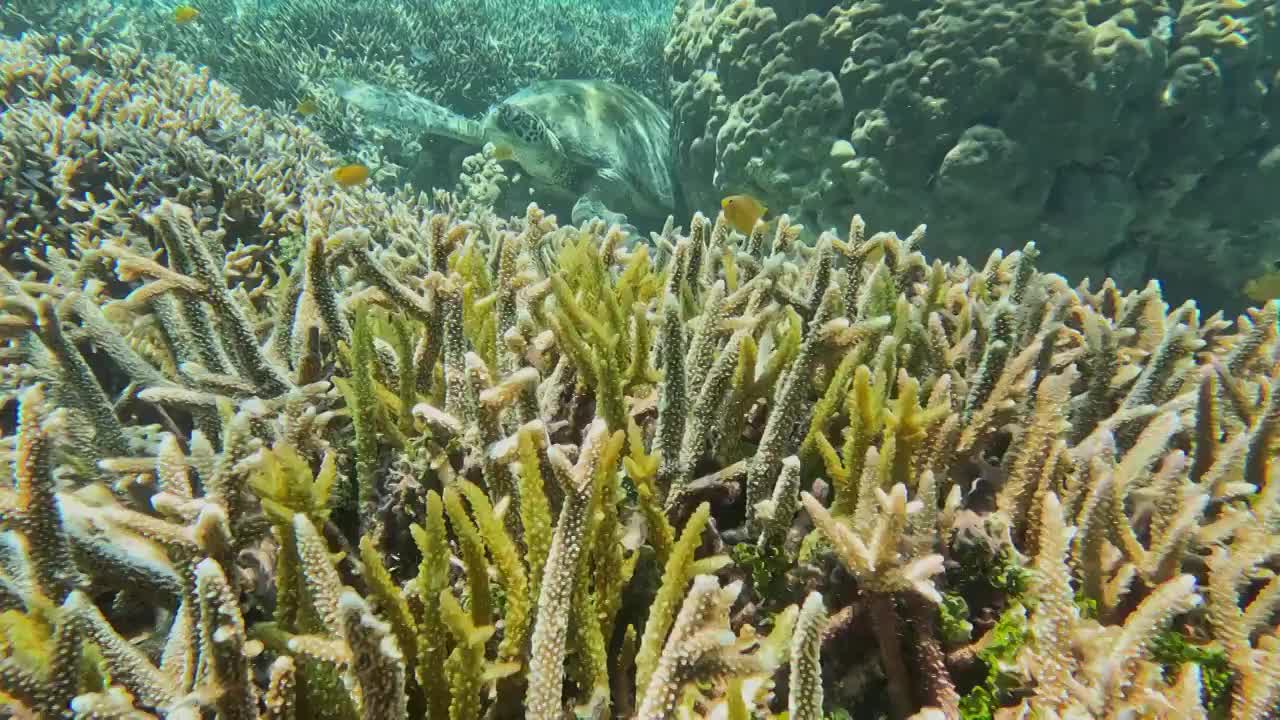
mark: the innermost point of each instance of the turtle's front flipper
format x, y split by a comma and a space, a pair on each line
594, 202
588, 208
404, 109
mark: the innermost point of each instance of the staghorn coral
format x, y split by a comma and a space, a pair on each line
100, 19
459, 53
143, 129
1133, 138
436, 470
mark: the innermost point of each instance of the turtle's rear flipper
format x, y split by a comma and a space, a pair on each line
397, 108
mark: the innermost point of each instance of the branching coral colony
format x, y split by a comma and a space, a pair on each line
456, 469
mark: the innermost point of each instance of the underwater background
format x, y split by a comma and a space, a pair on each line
1132, 140
803, 359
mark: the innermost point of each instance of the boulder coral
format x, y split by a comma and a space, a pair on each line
1133, 138
451, 465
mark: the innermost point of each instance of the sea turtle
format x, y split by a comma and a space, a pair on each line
604, 145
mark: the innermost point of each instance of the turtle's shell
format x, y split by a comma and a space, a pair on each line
608, 126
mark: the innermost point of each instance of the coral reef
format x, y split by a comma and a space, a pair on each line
460, 467
597, 149
460, 53
84, 143
1132, 139
101, 19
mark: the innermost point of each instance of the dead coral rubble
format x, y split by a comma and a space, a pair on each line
478, 469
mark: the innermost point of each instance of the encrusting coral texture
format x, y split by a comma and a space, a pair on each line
1131, 138
449, 465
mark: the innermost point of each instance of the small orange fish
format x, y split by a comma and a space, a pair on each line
742, 212
351, 175
184, 14
307, 107
1266, 286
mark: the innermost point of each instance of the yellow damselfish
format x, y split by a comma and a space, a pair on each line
351, 175
184, 14
307, 107
742, 212
1266, 286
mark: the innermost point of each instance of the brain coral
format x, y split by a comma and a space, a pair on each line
1136, 137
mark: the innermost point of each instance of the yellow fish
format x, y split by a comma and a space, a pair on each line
742, 212
351, 175
184, 14
307, 107
1266, 286
503, 152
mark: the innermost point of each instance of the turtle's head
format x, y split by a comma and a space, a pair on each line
521, 135
520, 125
